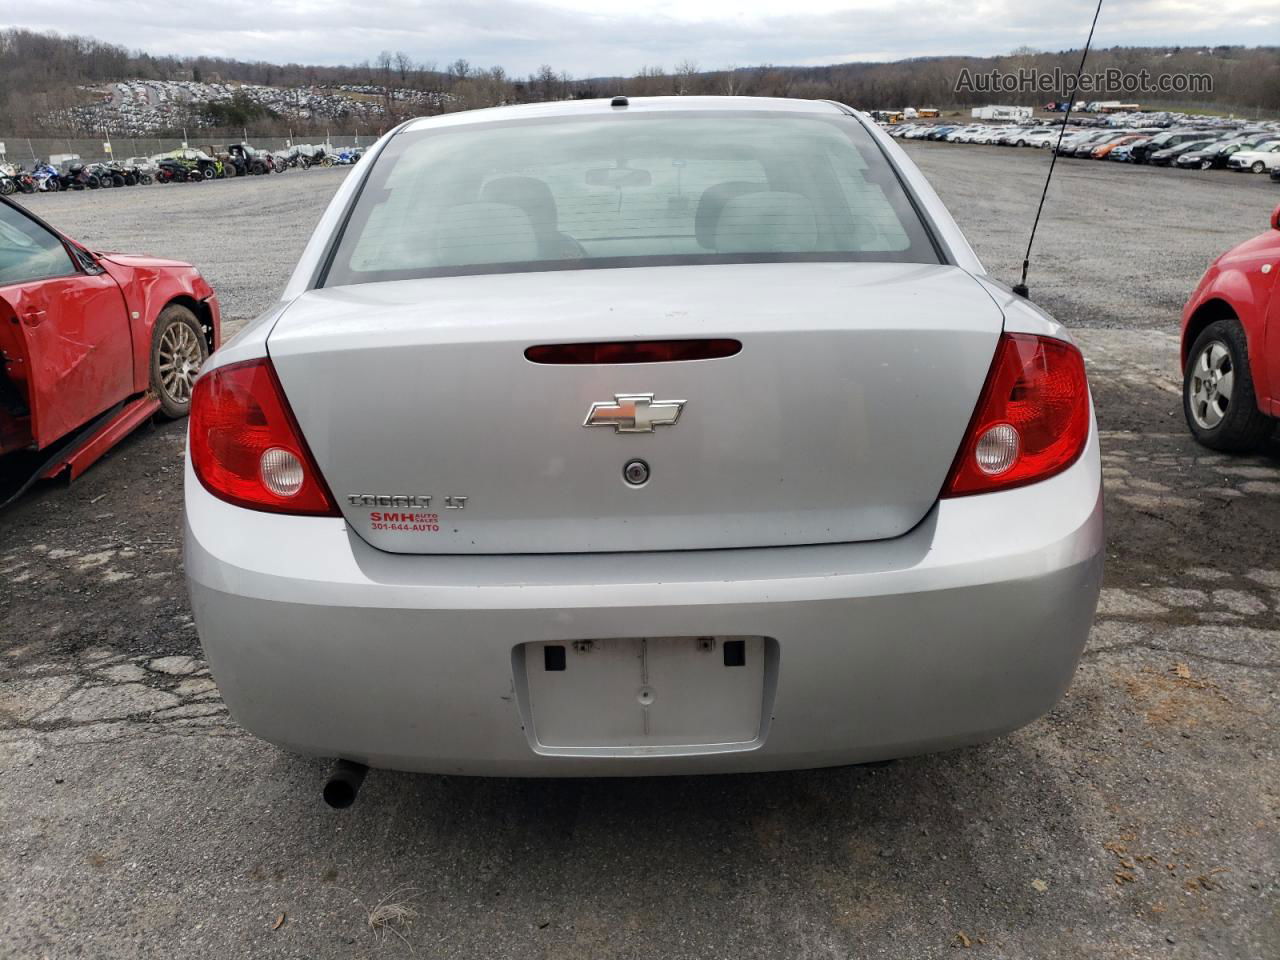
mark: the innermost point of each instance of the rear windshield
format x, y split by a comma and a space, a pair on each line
619, 190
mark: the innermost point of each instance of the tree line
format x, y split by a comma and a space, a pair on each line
41, 73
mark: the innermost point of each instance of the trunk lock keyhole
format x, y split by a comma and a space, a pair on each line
636, 473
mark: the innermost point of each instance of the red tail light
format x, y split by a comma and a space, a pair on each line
1032, 419
246, 447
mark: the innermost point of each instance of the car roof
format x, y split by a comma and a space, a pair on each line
578, 108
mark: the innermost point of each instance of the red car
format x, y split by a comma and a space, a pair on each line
91, 345
1231, 346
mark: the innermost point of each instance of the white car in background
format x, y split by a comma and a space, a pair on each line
1037, 137
1264, 157
653, 436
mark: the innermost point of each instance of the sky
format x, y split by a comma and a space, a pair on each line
610, 37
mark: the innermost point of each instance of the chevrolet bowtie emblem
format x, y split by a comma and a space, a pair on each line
634, 413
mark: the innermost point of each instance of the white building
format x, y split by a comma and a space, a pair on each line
1001, 113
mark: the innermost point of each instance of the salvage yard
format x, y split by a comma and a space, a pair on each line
1141, 818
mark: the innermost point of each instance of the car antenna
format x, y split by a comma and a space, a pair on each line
1020, 288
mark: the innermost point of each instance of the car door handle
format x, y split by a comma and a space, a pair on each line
33, 318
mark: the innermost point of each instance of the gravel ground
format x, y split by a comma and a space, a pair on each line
1138, 819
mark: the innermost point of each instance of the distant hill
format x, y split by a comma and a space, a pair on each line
52, 84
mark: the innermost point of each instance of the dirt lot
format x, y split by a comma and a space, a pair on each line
1138, 819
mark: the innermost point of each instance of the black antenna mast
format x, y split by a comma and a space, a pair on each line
1021, 288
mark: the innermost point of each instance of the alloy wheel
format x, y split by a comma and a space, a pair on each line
179, 361
1212, 380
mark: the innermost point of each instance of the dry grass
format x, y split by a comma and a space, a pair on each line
391, 915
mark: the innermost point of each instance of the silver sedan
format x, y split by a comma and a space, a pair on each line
642, 437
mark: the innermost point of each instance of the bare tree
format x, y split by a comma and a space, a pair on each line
686, 74
649, 82
459, 70
384, 78
404, 63
544, 85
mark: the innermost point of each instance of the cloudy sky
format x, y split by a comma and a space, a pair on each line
604, 37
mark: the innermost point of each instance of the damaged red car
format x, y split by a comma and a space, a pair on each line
1231, 347
91, 346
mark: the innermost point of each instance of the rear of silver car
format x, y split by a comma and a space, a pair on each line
656, 462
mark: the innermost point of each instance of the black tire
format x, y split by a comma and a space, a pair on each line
118, 181
1206, 164
1258, 166
1239, 426
146, 179
207, 173
177, 334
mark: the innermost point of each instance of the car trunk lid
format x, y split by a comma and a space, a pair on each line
836, 421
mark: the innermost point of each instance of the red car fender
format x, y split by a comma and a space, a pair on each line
1236, 279
149, 285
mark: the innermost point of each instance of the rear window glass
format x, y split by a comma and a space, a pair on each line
617, 190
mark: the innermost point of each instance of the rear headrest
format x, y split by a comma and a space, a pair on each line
529, 194
711, 205
468, 233
767, 222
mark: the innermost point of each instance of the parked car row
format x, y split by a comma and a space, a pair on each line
1004, 135
184, 165
1247, 148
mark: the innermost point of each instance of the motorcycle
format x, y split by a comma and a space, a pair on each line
8, 179
170, 170
46, 178
79, 177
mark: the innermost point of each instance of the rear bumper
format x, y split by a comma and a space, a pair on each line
966, 628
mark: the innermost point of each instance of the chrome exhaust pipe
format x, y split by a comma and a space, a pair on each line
344, 783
